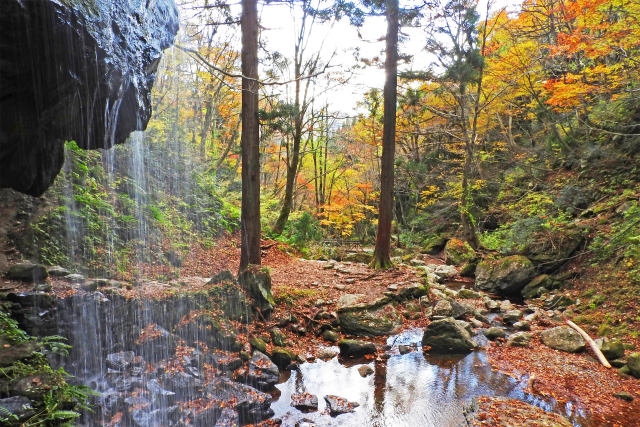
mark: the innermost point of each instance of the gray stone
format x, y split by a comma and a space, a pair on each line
448, 336
494, 333
538, 286
19, 406
326, 353
370, 321
356, 348
442, 308
563, 338
338, 405
278, 338
262, 373
121, 361
404, 349
522, 326
304, 402
519, 339
75, 278
57, 271
331, 336
512, 316
27, 272
504, 276
257, 283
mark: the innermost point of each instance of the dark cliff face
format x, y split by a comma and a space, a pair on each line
74, 69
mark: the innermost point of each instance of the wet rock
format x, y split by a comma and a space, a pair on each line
365, 370
505, 276
617, 363
27, 272
404, 349
506, 305
89, 286
304, 402
282, 357
257, 283
563, 338
494, 333
338, 405
18, 406
457, 252
512, 316
448, 336
11, 353
227, 418
468, 293
331, 336
262, 373
519, 339
94, 64
633, 364
369, 321
121, 361
42, 287
181, 383
251, 405
475, 323
158, 344
356, 348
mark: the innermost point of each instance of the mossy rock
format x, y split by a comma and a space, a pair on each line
356, 348
257, 283
258, 344
282, 357
505, 276
448, 336
633, 364
378, 321
434, 244
457, 252
538, 286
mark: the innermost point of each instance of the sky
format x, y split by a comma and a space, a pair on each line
338, 40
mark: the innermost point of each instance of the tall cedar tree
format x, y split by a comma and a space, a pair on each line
381, 256
250, 211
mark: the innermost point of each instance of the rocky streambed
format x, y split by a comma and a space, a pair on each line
196, 354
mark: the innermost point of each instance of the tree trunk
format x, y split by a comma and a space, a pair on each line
250, 210
381, 256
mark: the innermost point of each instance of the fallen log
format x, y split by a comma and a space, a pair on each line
591, 343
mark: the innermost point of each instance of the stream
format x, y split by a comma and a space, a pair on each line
410, 389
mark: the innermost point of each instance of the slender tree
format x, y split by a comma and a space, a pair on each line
381, 256
250, 210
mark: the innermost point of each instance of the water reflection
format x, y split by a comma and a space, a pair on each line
408, 390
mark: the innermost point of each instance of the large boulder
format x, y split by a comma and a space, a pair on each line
27, 272
448, 336
563, 338
74, 70
257, 283
458, 252
356, 348
359, 316
505, 276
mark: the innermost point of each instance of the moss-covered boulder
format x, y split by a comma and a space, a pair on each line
448, 336
370, 321
282, 357
457, 252
505, 276
563, 338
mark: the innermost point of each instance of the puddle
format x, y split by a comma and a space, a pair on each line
407, 390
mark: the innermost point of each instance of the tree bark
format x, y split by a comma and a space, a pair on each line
250, 210
381, 256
